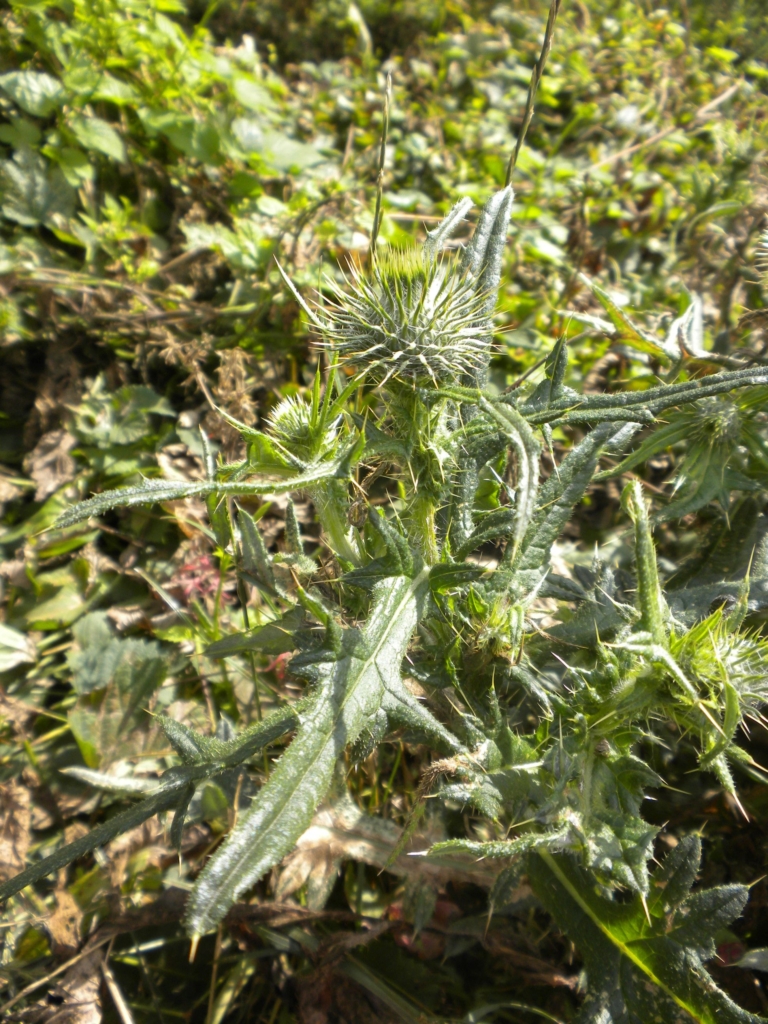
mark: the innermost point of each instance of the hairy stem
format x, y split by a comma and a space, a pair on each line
330, 501
649, 598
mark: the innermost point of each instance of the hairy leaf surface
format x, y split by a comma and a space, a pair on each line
641, 970
349, 692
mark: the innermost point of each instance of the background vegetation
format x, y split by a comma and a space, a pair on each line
156, 157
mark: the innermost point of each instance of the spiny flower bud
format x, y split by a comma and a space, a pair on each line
717, 420
712, 655
417, 321
292, 425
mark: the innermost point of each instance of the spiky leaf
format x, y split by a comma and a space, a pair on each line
349, 691
150, 491
640, 969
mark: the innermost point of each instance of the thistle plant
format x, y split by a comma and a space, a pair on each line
408, 598
544, 735
724, 451
413, 320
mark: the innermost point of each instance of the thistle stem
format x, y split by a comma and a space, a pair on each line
424, 528
648, 590
330, 503
538, 70
380, 175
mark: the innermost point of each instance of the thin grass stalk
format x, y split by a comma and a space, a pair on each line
538, 71
380, 175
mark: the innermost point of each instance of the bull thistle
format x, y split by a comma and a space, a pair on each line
415, 320
548, 748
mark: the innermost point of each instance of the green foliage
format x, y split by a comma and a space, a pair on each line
585, 801
113, 680
350, 678
645, 961
374, 561
722, 434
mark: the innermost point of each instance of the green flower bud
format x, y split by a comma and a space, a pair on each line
415, 321
292, 425
717, 420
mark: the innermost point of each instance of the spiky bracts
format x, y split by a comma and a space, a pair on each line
295, 427
716, 420
411, 319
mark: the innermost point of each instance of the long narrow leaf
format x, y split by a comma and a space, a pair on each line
527, 449
437, 238
151, 491
660, 439
161, 801
563, 490
170, 788
349, 692
655, 400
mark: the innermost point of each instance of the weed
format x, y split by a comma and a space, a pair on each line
423, 496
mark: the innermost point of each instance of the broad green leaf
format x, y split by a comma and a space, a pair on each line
34, 91
114, 677
21, 132
33, 191
116, 725
115, 91
15, 649
251, 94
194, 137
94, 133
249, 133
100, 652
77, 169
706, 913
288, 154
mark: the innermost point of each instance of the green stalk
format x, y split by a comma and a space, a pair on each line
538, 71
649, 598
425, 429
423, 527
330, 501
